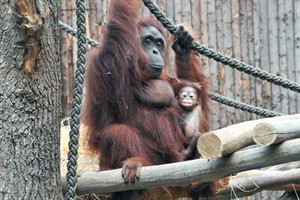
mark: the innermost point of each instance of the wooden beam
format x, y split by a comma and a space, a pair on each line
288, 187
183, 173
255, 181
218, 143
286, 166
274, 132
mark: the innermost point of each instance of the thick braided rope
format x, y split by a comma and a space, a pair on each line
76, 102
155, 10
243, 106
73, 32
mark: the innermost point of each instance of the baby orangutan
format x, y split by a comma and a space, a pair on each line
188, 99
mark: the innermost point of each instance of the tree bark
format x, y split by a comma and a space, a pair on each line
30, 108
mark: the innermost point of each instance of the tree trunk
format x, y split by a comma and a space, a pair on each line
30, 108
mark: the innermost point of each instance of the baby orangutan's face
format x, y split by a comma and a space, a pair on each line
188, 98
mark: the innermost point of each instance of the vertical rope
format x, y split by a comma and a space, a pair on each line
76, 102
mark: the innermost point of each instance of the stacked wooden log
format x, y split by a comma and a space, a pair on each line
228, 152
218, 143
264, 133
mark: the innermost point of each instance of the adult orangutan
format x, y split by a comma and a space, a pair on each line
130, 110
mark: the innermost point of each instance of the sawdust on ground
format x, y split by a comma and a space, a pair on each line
86, 162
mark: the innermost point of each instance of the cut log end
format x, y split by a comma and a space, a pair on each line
264, 134
210, 146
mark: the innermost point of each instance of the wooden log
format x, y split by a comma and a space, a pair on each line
255, 181
274, 132
288, 187
224, 141
183, 173
286, 166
